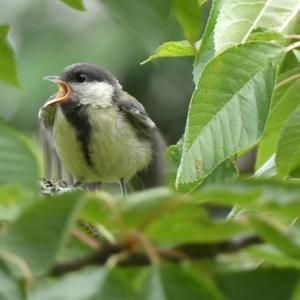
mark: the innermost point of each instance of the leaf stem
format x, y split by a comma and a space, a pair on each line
147, 245
293, 36
293, 46
285, 81
93, 244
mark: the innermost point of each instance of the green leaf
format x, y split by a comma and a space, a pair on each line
173, 154
8, 71
225, 172
276, 16
276, 237
176, 282
172, 49
288, 150
9, 286
263, 195
236, 21
17, 162
219, 123
273, 256
267, 36
283, 104
97, 209
12, 201
279, 15
207, 47
188, 14
91, 283
139, 208
272, 284
188, 224
77, 4
296, 292
41, 230
201, 2
166, 217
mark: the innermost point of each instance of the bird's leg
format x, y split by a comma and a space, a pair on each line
123, 187
92, 187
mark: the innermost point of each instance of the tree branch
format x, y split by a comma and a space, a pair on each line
188, 251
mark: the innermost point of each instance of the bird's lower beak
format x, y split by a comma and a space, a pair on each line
64, 90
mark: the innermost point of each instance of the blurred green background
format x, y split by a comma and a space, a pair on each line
48, 35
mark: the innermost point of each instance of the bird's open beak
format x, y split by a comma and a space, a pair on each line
64, 90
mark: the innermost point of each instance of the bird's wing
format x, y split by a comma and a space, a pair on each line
53, 167
155, 174
136, 113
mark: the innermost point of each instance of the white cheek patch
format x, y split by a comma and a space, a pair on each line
99, 93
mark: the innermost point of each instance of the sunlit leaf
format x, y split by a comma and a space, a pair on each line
207, 47
8, 71
172, 49
279, 15
40, 231
17, 162
227, 22
236, 21
77, 4
219, 121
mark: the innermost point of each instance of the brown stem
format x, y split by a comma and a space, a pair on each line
177, 254
285, 81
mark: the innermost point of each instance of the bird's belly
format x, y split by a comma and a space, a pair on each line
115, 150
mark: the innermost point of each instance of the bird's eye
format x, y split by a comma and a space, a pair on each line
80, 78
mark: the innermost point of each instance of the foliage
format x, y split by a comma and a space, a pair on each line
77, 4
7, 60
211, 234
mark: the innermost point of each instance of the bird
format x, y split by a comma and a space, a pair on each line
97, 131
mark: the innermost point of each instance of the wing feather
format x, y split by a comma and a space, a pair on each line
155, 174
53, 166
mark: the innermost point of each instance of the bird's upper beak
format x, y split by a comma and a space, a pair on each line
64, 90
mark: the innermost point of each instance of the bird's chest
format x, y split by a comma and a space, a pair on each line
103, 149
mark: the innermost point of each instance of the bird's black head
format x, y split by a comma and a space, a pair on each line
82, 72
87, 83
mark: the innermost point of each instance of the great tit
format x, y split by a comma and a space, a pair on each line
98, 131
